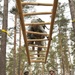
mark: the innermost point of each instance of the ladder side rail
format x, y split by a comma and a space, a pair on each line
51, 28
19, 6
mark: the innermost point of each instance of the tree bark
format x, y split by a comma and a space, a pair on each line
72, 10
14, 51
19, 62
62, 55
3, 40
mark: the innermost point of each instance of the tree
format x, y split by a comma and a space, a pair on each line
62, 39
72, 11
19, 52
23, 59
14, 11
3, 41
1, 18
72, 47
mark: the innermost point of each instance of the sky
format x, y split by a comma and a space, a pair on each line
49, 8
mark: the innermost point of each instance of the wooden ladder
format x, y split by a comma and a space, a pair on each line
43, 53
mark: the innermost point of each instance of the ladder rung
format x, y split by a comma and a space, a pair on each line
37, 33
36, 51
37, 40
37, 54
32, 55
37, 46
37, 57
34, 3
36, 13
38, 61
40, 23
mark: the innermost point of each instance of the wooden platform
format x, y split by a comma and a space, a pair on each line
32, 54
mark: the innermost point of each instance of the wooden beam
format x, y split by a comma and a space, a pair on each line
37, 61
34, 3
45, 34
37, 13
37, 46
37, 40
52, 24
37, 57
23, 26
32, 55
36, 50
37, 54
40, 23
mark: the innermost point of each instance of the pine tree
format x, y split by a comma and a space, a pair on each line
62, 45
72, 11
14, 11
3, 41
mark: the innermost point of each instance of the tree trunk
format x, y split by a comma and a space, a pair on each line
14, 51
62, 56
72, 10
19, 63
3, 41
